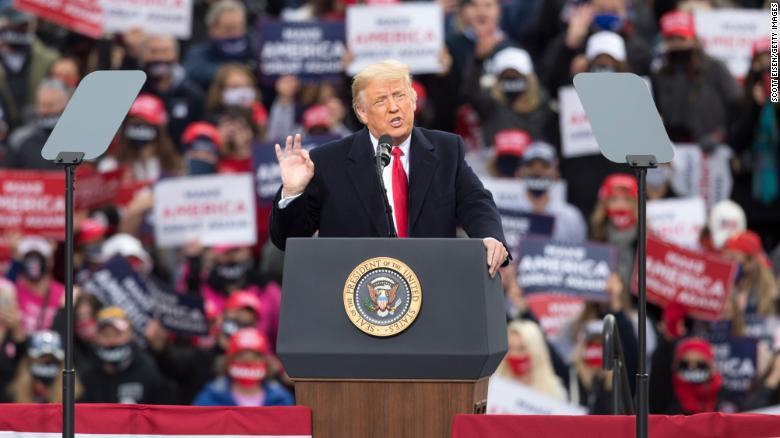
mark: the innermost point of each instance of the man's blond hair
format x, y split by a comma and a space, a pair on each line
387, 70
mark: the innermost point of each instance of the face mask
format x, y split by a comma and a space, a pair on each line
231, 47
697, 376
520, 365
17, 40
200, 167
679, 58
119, 356
608, 21
159, 69
537, 186
247, 374
86, 329
602, 68
47, 122
593, 354
44, 372
622, 219
513, 88
238, 96
34, 267
658, 177
223, 275
140, 135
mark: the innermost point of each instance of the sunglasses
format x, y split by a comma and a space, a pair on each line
697, 365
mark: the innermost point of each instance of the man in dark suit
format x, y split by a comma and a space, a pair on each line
430, 188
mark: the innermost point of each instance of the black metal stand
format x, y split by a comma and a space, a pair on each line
614, 360
69, 160
380, 167
641, 163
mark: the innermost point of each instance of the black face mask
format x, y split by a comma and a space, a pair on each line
513, 88
18, 41
537, 185
679, 58
140, 135
34, 267
224, 275
118, 356
44, 372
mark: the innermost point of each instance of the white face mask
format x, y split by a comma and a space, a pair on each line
240, 96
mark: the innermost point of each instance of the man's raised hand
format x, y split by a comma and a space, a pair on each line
295, 165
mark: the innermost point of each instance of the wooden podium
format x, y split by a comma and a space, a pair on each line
409, 384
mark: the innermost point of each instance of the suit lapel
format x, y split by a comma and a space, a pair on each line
422, 163
362, 172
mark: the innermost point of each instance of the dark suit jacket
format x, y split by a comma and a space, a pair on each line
343, 199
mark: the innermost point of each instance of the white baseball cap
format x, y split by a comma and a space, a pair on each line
606, 43
36, 244
511, 58
726, 219
126, 246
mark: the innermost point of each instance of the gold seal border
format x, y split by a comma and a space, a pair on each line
415, 296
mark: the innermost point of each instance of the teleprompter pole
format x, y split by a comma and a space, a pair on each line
640, 164
69, 160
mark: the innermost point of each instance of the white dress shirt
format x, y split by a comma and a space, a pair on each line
387, 174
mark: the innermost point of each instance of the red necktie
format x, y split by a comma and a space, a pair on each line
400, 184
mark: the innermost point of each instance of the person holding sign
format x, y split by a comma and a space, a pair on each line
430, 188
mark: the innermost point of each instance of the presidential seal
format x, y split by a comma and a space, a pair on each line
382, 296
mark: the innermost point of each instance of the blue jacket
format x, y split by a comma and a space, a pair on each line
217, 393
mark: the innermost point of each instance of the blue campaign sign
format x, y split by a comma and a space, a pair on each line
268, 178
117, 284
519, 224
582, 270
312, 51
736, 359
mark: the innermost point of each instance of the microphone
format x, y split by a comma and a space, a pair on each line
384, 146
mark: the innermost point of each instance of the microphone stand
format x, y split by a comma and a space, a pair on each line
388, 210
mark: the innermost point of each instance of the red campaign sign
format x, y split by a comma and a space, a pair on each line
81, 16
554, 311
94, 188
33, 202
699, 281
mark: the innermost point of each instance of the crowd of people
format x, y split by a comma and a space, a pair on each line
205, 106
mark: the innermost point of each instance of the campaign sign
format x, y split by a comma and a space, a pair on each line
554, 311
577, 137
736, 360
412, 33
81, 16
705, 175
213, 209
155, 17
32, 202
581, 270
312, 51
701, 282
677, 220
519, 224
96, 188
117, 284
268, 177
180, 313
729, 34
506, 396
